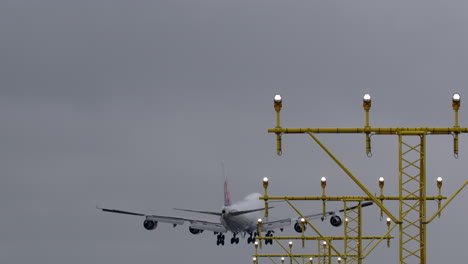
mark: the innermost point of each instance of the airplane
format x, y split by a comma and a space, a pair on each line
238, 218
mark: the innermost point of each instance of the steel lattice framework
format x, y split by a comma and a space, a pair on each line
411, 219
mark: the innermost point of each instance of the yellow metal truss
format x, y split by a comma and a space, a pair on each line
411, 219
353, 234
412, 184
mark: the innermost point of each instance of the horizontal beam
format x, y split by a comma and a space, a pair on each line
375, 130
346, 198
297, 255
324, 238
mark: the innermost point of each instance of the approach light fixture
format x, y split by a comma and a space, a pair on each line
259, 221
323, 183
302, 220
339, 260
278, 98
254, 259
278, 103
366, 102
456, 102
381, 183
282, 259
439, 182
265, 182
366, 98
311, 260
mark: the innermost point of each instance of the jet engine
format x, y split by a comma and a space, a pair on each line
336, 221
298, 227
150, 225
195, 231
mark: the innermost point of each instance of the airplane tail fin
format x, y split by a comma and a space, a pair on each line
227, 194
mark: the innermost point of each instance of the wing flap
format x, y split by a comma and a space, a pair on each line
210, 226
166, 219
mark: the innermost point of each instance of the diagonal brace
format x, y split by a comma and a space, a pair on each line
363, 188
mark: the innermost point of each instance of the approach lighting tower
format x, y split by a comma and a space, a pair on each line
411, 218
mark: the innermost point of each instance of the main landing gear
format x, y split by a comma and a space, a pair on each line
234, 239
220, 240
251, 238
269, 241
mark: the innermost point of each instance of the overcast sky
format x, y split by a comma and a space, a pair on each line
133, 105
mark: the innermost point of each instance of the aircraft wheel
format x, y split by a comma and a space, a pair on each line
249, 240
237, 240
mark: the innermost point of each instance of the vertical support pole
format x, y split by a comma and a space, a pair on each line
278, 104
359, 253
412, 197
422, 205
400, 196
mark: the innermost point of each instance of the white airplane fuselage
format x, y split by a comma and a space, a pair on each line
243, 222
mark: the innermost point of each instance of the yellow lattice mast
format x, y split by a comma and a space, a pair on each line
412, 197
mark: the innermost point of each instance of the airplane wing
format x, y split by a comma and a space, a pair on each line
336, 221
194, 223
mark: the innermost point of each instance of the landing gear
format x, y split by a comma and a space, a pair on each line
269, 241
234, 239
220, 240
251, 238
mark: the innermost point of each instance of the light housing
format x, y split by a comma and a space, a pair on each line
456, 98
278, 98
366, 102
439, 182
323, 183
366, 98
278, 102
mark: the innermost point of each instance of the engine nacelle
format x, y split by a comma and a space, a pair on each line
150, 225
336, 221
195, 231
298, 227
